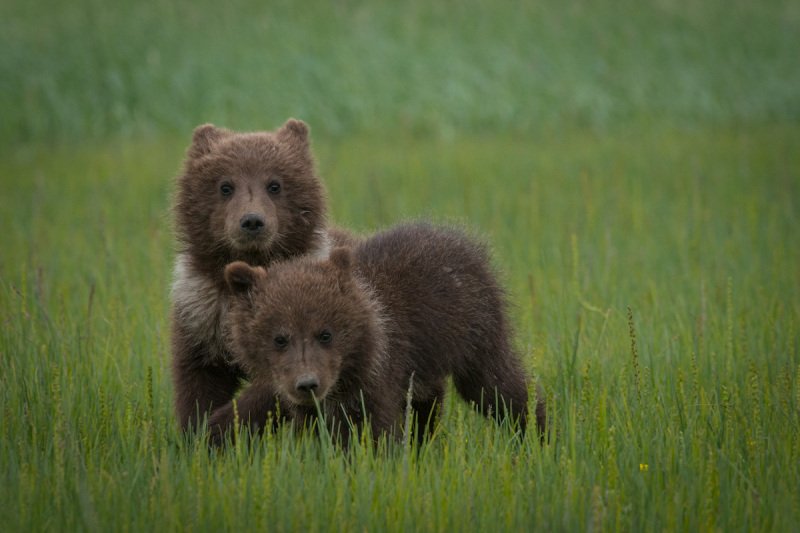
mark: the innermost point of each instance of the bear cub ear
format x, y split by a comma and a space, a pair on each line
342, 258
294, 131
203, 139
342, 261
241, 277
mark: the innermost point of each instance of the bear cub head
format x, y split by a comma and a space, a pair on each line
307, 328
248, 196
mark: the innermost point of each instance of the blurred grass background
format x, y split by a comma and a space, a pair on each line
90, 69
635, 166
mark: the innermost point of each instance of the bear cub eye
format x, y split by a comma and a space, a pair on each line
281, 342
325, 337
274, 187
226, 189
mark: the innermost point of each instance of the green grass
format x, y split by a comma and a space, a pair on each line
635, 168
90, 68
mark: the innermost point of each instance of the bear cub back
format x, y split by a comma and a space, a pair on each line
402, 310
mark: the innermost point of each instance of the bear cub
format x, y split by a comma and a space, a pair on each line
401, 310
251, 197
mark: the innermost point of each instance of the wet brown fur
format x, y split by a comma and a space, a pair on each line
210, 228
416, 300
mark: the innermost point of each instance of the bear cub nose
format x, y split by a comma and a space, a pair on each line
252, 223
307, 384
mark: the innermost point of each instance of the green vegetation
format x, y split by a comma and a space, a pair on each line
90, 68
634, 166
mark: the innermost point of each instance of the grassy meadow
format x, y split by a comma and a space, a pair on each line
635, 166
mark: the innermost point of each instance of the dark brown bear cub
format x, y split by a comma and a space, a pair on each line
416, 300
253, 197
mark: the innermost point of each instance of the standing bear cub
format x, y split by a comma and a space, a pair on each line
252, 197
403, 310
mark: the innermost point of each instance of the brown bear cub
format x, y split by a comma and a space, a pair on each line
402, 310
251, 197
